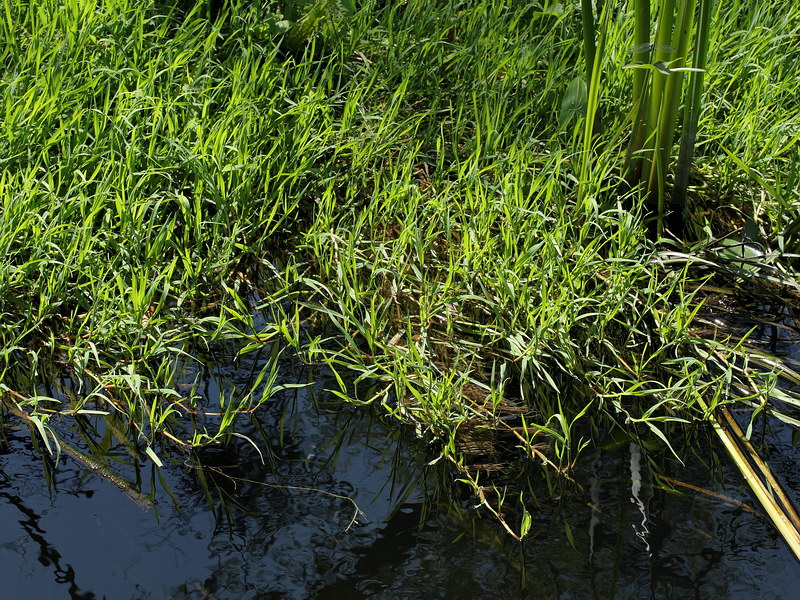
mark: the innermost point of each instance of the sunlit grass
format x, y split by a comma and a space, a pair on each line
389, 195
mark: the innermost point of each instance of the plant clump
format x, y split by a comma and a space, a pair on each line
385, 190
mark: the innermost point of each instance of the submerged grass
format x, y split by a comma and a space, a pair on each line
385, 190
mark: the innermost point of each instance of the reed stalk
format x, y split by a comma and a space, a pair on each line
641, 56
693, 110
592, 105
674, 84
589, 44
658, 83
780, 519
652, 169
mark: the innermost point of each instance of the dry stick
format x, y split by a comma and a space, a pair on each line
132, 451
109, 398
120, 483
104, 472
180, 442
498, 515
722, 497
763, 467
354, 520
480, 492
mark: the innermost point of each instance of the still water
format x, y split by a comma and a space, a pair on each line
342, 509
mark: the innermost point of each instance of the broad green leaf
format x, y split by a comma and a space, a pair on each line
574, 102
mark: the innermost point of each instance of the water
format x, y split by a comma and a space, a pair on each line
288, 528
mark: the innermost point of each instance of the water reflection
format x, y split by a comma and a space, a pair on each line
279, 519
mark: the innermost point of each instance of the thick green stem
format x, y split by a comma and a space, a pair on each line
693, 107
662, 54
589, 48
672, 94
592, 104
641, 56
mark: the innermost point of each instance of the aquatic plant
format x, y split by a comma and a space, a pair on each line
392, 200
659, 65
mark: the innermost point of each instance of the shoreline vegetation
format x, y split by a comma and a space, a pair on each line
403, 193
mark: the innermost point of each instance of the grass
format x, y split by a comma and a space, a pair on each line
386, 192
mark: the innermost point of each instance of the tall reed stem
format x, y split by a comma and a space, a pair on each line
589, 48
641, 56
592, 104
693, 109
652, 169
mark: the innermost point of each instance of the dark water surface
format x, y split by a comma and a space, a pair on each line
283, 529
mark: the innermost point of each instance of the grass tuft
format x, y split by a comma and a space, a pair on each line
384, 189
